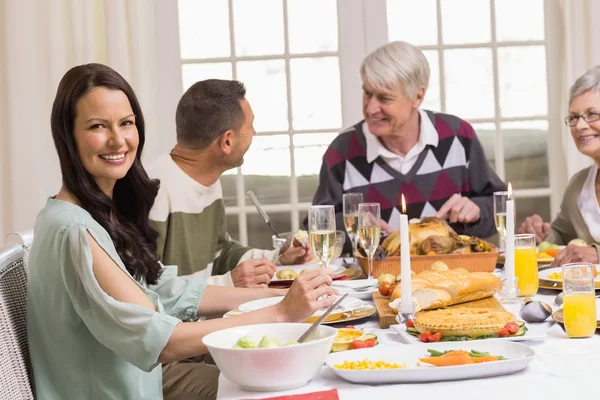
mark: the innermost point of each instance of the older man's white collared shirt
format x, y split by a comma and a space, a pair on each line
427, 136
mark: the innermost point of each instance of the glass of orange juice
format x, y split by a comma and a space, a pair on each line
579, 300
526, 269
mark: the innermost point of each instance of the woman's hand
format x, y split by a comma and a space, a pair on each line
305, 295
536, 225
573, 253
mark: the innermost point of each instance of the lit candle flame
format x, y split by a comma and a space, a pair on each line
510, 194
403, 205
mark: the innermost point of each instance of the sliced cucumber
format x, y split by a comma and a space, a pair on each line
370, 336
413, 331
520, 323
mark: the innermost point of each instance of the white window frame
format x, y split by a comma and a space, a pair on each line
551, 42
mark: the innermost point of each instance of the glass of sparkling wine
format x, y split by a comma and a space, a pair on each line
321, 228
500, 215
369, 230
351, 202
579, 300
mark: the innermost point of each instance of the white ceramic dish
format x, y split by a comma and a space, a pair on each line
545, 274
346, 287
535, 332
519, 357
348, 304
271, 369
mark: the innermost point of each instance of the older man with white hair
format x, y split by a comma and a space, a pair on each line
434, 159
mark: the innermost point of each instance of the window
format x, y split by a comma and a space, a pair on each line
290, 64
489, 67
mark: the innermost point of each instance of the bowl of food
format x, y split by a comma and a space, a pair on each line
302, 238
267, 357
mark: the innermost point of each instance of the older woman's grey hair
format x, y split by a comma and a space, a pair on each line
396, 65
590, 80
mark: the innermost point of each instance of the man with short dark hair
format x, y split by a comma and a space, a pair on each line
214, 131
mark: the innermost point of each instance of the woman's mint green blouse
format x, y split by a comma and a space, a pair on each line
84, 344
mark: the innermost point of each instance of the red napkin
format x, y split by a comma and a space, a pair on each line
326, 395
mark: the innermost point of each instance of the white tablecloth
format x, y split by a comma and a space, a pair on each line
562, 368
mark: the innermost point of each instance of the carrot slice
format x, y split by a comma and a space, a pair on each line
552, 252
448, 361
485, 359
456, 353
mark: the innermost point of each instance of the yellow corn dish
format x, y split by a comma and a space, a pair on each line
557, 276
368, 365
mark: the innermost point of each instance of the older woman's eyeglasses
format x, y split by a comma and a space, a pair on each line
588, 117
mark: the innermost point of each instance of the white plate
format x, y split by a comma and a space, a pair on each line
347, 285
545, 273
534, 332
348, 304
519, 357
336, 269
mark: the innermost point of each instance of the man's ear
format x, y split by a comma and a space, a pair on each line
226, 141
419, 97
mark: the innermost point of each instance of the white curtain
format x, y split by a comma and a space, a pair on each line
581, 51
39, 41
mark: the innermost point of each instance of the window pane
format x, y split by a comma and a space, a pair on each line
522, 81
412, 21
266, 91
526, 153
254, 38
316, 99
229, 188
260, 236
308, 156
519, 20
469, 83
486, 132
465, 21
312, 26
267, 169
202, 19
527, 207
432, 99
192, 73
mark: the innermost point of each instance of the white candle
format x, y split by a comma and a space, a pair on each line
509, 254
406, 307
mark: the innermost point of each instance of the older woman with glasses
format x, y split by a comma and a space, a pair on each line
579, 216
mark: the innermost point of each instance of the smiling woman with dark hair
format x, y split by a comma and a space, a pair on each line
103, 313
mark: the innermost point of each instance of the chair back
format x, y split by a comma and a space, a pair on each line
15, 365
24, 239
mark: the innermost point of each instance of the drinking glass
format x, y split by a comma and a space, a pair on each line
321, 229
369, 231
526, 268
351, 202
500, 215
579, 299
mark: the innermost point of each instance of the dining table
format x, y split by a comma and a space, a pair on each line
562, 368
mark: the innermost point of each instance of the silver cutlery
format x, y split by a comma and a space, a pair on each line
262, 212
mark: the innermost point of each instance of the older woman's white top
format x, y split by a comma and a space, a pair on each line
588, 204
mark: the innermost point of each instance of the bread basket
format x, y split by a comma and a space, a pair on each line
473, 262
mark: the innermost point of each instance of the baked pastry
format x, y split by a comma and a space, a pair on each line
437, 289
463, 321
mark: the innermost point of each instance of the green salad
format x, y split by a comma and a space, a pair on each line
248, 342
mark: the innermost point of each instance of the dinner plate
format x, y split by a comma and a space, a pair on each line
335, 268
534, 333
546, 282
519, 356
559, 316
347, 305
340, 318
347, 286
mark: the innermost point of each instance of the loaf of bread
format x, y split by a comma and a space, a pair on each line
437, 289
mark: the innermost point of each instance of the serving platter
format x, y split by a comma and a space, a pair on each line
518, 357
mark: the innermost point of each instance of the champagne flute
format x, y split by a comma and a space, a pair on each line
500, 215
351, 202
321, 228
369, 230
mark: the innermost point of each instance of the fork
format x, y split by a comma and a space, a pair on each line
356, 289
